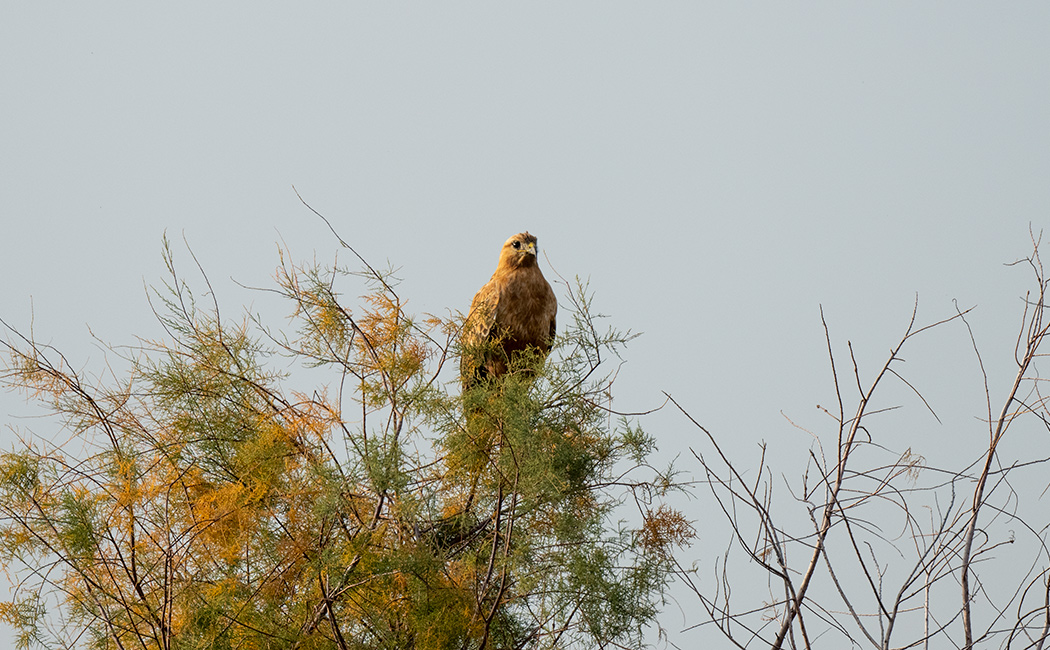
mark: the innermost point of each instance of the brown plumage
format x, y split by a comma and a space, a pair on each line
515, 310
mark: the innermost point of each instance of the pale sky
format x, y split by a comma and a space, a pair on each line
718, 171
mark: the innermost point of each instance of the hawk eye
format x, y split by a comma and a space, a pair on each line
517, 244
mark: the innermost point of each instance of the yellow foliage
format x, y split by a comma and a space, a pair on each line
664, 529
387, 344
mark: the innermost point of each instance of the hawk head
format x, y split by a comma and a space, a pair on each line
519, 251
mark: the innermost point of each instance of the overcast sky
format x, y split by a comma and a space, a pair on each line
718, 171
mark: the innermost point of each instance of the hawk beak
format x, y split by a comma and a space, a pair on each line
530, 248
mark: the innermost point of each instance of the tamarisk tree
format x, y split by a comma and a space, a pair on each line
246, 487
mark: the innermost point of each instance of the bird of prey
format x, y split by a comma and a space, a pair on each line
514, 311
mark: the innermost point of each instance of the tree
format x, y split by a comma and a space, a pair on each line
871, 547
203, 501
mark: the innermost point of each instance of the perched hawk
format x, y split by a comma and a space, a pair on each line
515, 310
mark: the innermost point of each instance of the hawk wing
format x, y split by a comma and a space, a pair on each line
552, 306
477, 330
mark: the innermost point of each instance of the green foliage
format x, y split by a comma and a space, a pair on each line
205, 503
